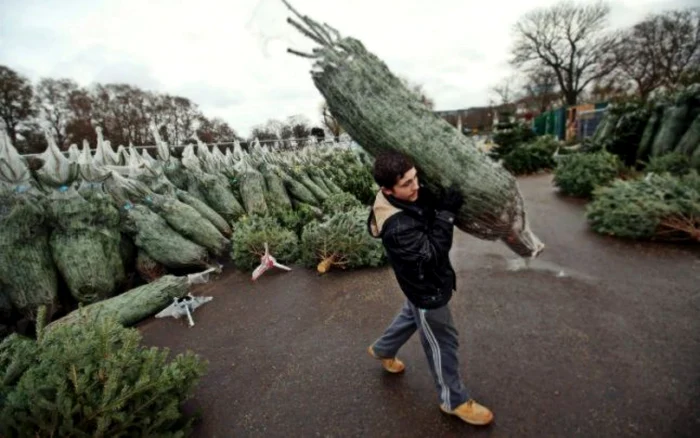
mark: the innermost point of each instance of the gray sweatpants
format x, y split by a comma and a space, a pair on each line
440, 343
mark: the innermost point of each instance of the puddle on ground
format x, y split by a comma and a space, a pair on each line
539, 265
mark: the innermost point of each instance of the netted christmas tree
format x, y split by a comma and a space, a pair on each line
276, 195
147, 268
26, 267
206, 212
252, 189
94, 379
379, 112
624, 130
106, 226
151, 233
215, 191
341, 241
27, 271
347, 170
134, 305
83, 233
77, 247
300, 174
187, 221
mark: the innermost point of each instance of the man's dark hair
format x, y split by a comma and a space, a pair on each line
389, 167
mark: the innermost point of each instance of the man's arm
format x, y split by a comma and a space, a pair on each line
431, 246
415, 245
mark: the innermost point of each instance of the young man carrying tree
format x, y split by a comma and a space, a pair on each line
416, 230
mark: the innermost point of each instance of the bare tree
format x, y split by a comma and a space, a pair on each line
297, 127
80, 127
541, 89
270, 130
181, 117
16, 100
502, 100
569, 39
223, 131
637, 59
215, 130
123, 111
31, 138
609, 88
504, 91
661, 51
53, 100
330, 122
676, 43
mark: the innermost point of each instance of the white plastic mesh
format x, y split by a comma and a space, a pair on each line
13, 169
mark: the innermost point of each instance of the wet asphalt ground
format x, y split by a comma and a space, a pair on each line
599, 337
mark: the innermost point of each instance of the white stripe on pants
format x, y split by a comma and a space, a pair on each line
440, 342
445, 396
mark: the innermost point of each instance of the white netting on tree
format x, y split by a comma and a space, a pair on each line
380, 113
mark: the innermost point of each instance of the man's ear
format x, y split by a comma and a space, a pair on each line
387, 192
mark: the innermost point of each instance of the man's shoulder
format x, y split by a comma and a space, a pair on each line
400, 223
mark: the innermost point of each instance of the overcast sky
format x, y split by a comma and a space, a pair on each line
230, 57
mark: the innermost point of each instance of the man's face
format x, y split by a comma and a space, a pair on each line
406, 188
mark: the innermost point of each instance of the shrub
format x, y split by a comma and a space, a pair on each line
661, 207
589, 145
340, 202
624, 140
674, 163
295, 220
250, 236
532, 157
341, 241
579, 174
93, 379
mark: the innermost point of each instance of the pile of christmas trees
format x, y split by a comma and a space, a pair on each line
640, 169
638, 131
101, 222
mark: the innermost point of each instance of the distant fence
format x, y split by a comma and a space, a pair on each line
286, 144
587, 122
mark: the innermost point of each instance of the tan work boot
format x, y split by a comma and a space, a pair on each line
392, 365
471, 412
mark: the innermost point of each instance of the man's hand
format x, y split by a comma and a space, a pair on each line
427, 198
452, 200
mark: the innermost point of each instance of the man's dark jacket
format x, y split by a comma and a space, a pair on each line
417, 239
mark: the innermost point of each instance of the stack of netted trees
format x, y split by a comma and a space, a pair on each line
101, 223
639, 131
640, 169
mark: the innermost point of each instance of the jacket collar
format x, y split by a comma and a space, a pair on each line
387, 206
413, 208
382, 210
